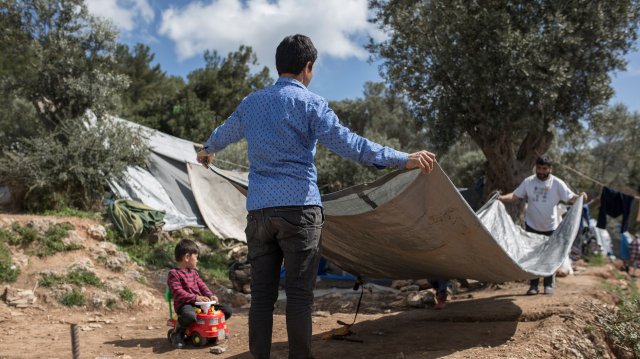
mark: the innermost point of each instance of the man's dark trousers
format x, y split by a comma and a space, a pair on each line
550, 280
273, 234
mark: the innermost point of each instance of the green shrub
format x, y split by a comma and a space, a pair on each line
214, 265
8, 236
50, 280
73, 298
8, 271
205, 236
75, 167
25, 234
72, 212
127, 295
622, 327
82, 277
157, 255
596, 260
110, 303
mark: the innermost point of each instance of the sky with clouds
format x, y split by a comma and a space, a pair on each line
179, 32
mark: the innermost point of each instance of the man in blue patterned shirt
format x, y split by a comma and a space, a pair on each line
282, 124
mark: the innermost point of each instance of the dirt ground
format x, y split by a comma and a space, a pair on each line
491, 321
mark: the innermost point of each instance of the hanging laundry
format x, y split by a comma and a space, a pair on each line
614, 204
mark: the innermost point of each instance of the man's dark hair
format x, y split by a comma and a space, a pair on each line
544, 161
293, 54
184, 247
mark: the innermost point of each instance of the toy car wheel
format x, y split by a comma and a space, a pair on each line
169, 335
198, 340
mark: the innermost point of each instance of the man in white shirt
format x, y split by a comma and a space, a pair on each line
543, 192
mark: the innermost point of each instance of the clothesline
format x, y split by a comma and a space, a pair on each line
635, 195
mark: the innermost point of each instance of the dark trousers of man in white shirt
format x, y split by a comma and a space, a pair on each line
294, 234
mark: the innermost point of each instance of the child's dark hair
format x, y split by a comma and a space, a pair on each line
184, 247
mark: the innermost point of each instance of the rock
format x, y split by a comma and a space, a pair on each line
40, 225
82, 264
20, 259
217, 349
133, 274
73, 237
97, 232
109, 247
20, 298
116, 263
246, 288
410, 288
397, 284
6, 222
400, 303
238, 300
422, 283
321, 313
415, 300
145, 299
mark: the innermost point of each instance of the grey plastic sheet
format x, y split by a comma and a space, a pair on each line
414, 225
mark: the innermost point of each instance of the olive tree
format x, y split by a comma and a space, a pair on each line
506, 73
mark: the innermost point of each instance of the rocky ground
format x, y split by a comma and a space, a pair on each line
482, 321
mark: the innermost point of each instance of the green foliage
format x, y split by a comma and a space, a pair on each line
157, 255
464, 163
72, 212
56, 65
622, 327
9, 272
26, 234
78, 277
151, 94
50, 280
111, 303
191, 110
204, 235
83, 277
605, 149
42, 245
75, 298
504, 72
127, 295
74, 168
214, 265
596, 260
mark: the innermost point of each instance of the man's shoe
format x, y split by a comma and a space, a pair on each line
532, 291
548, 290
177, 339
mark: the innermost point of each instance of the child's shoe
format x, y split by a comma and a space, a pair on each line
177, 337
442, 301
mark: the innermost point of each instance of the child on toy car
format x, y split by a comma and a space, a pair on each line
187, 288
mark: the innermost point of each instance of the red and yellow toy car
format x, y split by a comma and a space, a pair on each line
209, 327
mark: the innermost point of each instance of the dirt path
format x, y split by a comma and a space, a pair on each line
490, 322
493, 323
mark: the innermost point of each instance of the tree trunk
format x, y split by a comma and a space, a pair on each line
505, 168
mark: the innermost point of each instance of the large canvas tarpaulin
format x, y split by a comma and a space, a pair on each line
411, 225
222, 206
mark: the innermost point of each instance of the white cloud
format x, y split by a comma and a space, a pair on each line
337, 27
125, 14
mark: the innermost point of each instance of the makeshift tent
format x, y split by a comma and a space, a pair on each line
170, 184
404, 225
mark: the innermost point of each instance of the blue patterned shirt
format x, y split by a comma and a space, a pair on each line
282, 124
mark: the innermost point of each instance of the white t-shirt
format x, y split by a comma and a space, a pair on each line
542, 199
